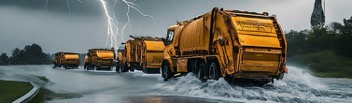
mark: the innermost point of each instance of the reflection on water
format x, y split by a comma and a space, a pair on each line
137, 87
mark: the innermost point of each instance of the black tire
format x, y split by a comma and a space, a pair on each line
131, 69
166, 72
97, 68
214, 71
201, 74
191, 66
118, 68
110, 68
123, 68
84, 66
145, 70
88, 66
91, 67
261, 83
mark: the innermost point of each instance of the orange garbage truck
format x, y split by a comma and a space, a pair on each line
232, 44
99, 59
121, 61
141, 53
66, 60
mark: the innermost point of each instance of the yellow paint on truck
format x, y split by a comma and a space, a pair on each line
66, 59
99, 59
141, 53
226, 43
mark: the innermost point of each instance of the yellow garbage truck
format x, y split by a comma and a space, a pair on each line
232, 44
141, 53
66, 60
99, 59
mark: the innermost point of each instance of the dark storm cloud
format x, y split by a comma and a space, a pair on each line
23, 22
87, 7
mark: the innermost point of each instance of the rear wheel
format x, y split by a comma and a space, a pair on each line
123, 68
118, 68
191, 66
166, 72
214, 71
201, 71
130, 68
97, 68
262, 82
110, 68
88, 66
145, 70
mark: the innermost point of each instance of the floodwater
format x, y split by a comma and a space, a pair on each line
137, 87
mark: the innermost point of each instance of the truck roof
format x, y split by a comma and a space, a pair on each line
99, 49
147, 38
65, 53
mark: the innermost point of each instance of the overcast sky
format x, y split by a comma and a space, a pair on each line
81, 26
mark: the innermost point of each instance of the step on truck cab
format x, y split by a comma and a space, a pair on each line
66, 60
231, 44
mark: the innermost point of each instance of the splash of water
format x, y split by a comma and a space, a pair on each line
297, 86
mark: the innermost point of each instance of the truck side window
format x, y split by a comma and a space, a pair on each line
170, 37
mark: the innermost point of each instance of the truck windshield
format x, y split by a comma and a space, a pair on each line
170, 37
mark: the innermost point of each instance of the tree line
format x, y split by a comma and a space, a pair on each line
30, 54
323, 49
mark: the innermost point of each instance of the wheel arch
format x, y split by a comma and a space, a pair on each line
215, 58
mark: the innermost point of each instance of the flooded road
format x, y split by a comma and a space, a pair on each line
137, 87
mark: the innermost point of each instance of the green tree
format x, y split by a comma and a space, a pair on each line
326, 51
31, 54
4, 59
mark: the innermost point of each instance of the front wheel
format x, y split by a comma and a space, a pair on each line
166, 72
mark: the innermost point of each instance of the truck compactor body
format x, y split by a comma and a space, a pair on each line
99, 59
66, 60
226, 43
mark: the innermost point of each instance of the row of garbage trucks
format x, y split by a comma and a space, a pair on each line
230, 44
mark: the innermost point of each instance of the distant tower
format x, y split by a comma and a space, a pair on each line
318, 17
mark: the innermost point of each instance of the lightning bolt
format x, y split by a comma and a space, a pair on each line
79, 1
46, 4
133, 6
110, 25
113, 23
68, 6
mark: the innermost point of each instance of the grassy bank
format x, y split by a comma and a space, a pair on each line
324, 64
46, 94
10, 90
